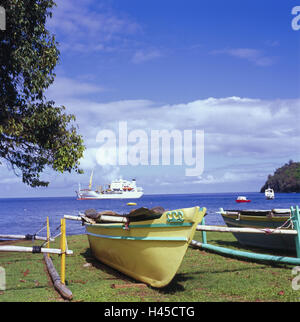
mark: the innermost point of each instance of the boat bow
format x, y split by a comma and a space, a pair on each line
150, 251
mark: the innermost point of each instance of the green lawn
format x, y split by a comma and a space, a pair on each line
202, 277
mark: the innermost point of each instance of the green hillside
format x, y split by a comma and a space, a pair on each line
284, 179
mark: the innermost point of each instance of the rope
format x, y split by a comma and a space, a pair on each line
45, 242
57, 235
57, 228
269, 232
41, 229
37, 249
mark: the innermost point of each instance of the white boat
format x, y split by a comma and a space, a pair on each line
269, 193
117, 189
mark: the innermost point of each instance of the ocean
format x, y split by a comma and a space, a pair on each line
28, 215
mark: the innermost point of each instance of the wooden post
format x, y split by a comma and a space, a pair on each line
204, 239
48, 235
296, 222
63, 251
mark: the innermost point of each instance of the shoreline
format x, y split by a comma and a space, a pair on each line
153, 195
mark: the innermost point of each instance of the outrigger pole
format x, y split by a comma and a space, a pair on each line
25, 237
295, 217
34, 250
58, 281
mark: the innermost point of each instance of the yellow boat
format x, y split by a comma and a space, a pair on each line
148, 250
131, 204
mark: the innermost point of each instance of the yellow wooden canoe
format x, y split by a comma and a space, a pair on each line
150, 251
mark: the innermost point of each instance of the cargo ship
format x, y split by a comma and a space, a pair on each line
117, 189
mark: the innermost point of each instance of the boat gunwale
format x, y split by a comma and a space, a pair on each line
251, 218
140, 238
246, 225
147, 223
161, 225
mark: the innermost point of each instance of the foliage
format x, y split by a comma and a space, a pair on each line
285, 179
34, 133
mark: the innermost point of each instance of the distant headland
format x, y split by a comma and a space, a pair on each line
285, 178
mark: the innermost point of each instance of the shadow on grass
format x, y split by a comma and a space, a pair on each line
116, 275
173, 287
30, 288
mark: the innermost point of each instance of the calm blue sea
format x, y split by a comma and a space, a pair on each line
28, 215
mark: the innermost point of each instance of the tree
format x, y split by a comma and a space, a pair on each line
34, 133
285, 178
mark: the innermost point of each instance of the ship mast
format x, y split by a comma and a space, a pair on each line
91, 179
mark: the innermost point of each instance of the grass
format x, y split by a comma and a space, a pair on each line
202, 277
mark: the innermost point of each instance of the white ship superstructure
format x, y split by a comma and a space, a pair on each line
117, 189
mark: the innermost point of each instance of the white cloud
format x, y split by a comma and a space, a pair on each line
11, 180
234, 129
255, 56
88, 161
64, 87
231, 125
142, 56
85, 30
225, 177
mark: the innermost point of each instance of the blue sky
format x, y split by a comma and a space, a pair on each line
192, 46
230, 68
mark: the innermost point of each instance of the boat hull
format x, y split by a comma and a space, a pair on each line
270, 197
88, 195
269, 194
151, 251
266, 241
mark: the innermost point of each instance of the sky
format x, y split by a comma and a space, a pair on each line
227, 70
